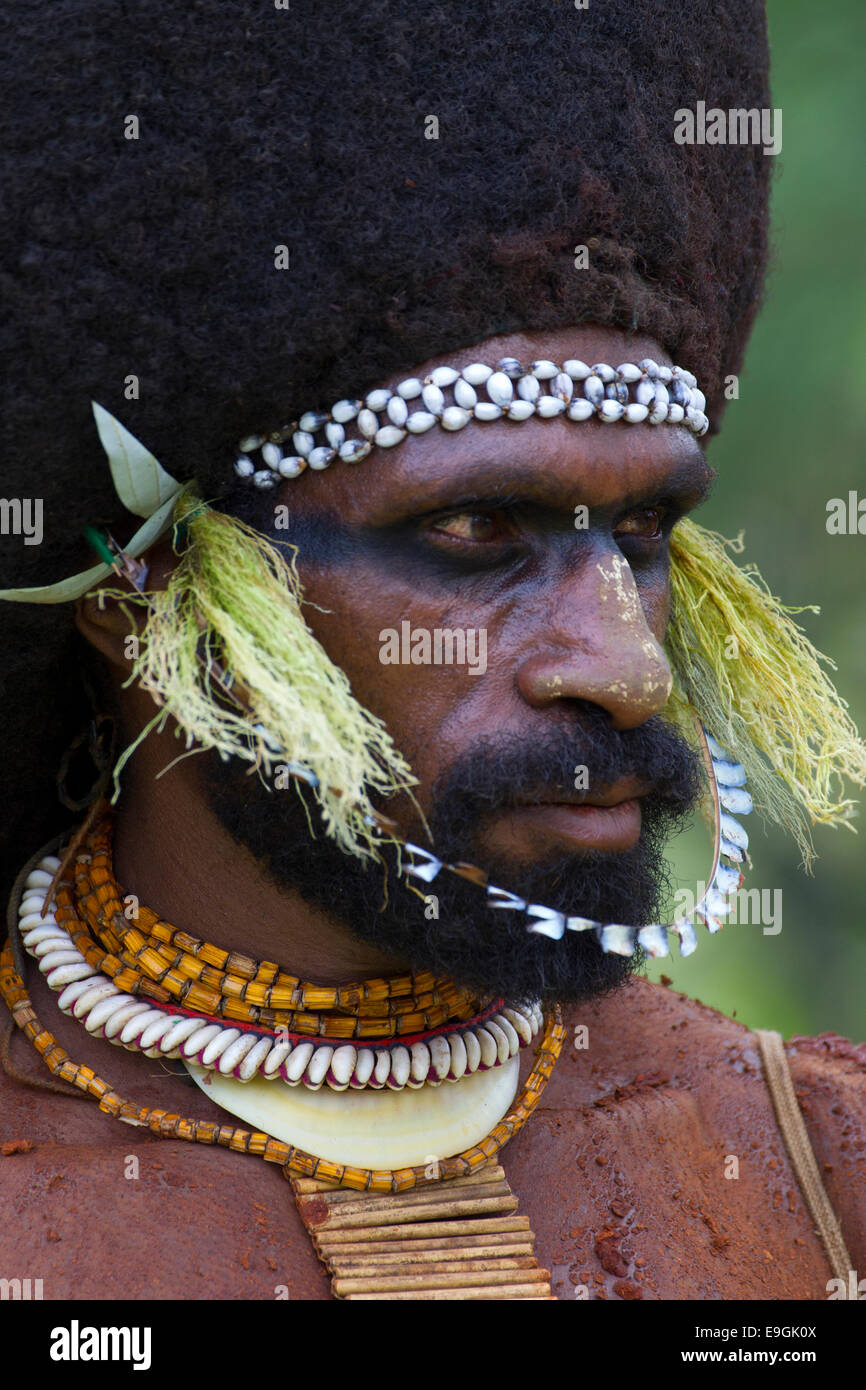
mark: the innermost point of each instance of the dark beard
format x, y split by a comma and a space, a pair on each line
486, 949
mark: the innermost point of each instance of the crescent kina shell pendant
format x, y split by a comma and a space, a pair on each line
371, 1129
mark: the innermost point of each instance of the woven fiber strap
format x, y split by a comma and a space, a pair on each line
800, 1150
462, 1239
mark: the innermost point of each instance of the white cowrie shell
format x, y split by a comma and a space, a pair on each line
79, 989
618, 939
388, 436
317, 1068
38, 878
344, 411
610, 411
254, 1059
729, 774
580, 410
548, 406
181, 1029
217, 1046
510, 366
544, 370
134, 1027
500, 388
486, 410
275, 1058
271, 455
733, 832
529, 388
320, 458
520, 1023
736, 800
459, 1060
645, 393
123, 1015
731, 851
335, 434
343, 1063
420, 422
443, 376
401, 1065
635, 413
473, 1051
658, 413
296, 1065
503, 1051
409, 389
562, 387
420, 1063
292, 466
476, 373
101, 1012
433, 399
368, 424
676, 414
398, 411
377, 400
382, 1069
65, 974
244, 467
629, 372
354, 450
363, 1066
606, 373
156, 1031
519, 410
454, 417
265, 478
654, 940
235, 1054
488, 1046
510, 1032
440, 1056
58, 953
593, 389
311, 421
303, 442
577, 370
464, 394
727, 880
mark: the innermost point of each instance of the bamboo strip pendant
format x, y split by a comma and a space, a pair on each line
461, 1239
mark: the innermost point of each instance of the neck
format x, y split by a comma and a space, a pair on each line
172, 852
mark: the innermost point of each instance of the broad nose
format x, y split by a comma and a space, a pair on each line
598, 647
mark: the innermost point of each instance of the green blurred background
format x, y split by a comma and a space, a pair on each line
794, 439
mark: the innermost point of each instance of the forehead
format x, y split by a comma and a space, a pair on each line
555, 462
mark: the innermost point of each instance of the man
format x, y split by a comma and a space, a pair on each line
653, 1165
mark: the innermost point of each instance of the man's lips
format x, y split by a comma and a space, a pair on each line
608, 821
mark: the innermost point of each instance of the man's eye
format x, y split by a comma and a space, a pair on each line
475, 526
646, 524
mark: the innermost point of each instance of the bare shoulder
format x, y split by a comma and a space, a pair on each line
647, 1045
829, 1075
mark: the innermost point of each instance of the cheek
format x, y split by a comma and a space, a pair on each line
365, 608
655, 595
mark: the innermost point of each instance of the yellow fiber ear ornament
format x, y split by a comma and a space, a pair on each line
755, 679
230, 620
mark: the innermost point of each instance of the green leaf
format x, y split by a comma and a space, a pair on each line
141, 483
64, 591
67, 590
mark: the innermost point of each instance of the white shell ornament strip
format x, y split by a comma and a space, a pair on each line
632, 392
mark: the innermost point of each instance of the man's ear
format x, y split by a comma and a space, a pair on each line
108, 625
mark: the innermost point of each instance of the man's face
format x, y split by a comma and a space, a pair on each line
545, 544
